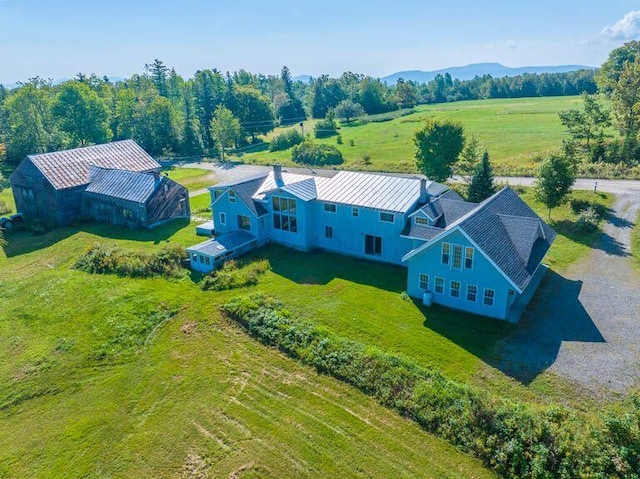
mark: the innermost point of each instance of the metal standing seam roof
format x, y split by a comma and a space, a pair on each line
124, 185
221, 244
70, 168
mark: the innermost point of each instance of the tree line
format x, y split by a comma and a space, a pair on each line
173, 116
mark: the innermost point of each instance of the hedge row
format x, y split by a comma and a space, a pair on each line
514, 439
111, 259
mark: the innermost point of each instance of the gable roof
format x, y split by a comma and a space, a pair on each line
453, 210
124, 185
245, 190
512, 236
70, 168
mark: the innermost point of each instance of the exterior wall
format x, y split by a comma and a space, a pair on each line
204, 263
483, 275
105, 209
349, 232
69, 205
169, 201
35, 197
231, 211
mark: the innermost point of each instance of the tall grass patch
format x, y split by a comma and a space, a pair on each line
234, 275
112, 259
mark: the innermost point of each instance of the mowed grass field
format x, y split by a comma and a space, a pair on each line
516, 132
87, 391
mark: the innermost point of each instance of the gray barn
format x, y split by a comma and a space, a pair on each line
117, 183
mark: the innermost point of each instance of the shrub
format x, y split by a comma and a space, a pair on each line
286, 140
588, 220
232, 275
339, 140
5, 209
579, 205
325, 128
512, 438
309, 153
111, 259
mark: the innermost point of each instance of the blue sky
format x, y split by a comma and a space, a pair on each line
59, 38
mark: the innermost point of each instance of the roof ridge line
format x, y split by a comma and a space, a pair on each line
477, 209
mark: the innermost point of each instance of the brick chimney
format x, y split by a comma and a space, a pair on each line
277, 174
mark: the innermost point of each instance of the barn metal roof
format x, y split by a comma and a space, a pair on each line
70, 168
124, 185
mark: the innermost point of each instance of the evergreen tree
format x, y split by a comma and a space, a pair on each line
481, 186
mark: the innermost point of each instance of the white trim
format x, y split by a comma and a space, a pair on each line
241, 201
469, 285
223, 217
435, 285
493, 298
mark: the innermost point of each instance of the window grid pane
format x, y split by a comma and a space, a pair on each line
445, 253
455, 289
457, 256
468, 258
489, 296
424, 281
439, 285
472, 293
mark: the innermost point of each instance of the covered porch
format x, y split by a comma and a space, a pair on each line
208, 255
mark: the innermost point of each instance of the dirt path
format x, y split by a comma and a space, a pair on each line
584, 325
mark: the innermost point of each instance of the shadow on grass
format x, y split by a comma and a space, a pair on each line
24, 241
594, 239
319, 267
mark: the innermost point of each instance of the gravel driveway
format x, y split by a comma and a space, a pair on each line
584, 325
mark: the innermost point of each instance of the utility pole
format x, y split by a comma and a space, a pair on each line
302, 127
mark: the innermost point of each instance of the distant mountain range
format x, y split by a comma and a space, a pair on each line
467, 72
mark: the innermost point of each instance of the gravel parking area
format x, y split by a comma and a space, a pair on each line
584, 325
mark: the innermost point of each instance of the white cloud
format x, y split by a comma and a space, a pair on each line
628, 28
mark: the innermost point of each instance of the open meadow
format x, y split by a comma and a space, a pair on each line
516, 132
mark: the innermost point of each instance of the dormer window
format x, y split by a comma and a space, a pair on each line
422, 221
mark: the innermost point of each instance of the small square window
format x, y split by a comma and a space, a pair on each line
328, 232
355, 212
330, 207
386, 217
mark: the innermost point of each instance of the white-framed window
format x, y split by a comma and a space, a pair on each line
457, 256
387, 217
207, 260
454, 290
330, 207
446, 250
421, 220
328, 232
244, 222
424, 282
355, 211
285, 214
439, 286
468, 257
232, 196
489, 297
223, 218
216, 194
472, 293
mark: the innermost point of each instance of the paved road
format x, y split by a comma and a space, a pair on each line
230, 172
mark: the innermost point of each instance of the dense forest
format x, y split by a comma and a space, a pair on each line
173, 116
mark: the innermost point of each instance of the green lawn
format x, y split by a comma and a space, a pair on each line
6, 197
199, 204
86, 391
515, 132
192, 178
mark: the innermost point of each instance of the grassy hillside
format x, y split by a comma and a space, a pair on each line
103, 376
515, 132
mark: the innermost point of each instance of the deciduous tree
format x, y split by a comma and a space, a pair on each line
438, 146
225, 129
555, 178
347, 110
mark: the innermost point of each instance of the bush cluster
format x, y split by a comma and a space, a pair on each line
588, 221
579, 205
286, 140
325, 128
513, 439
388, 116
111, 259
232, 275
309, 153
